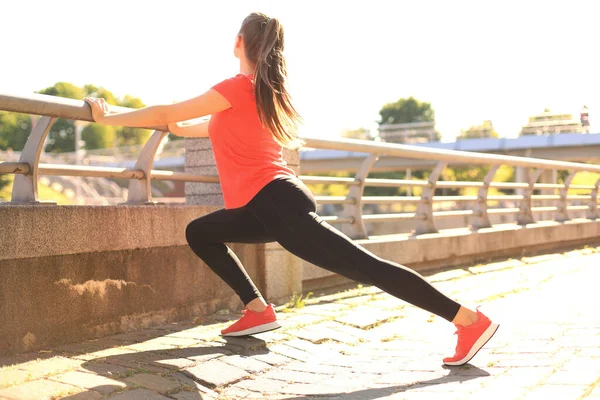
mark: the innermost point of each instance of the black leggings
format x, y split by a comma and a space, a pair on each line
284, 211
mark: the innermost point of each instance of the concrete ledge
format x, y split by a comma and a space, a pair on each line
460, 246
69, 273
47, 230
75, 273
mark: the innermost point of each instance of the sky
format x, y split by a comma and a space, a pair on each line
472, 60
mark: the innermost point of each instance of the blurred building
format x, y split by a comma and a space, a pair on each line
413, 132
483, 131
550, 122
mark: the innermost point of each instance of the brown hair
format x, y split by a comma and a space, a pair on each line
263, 44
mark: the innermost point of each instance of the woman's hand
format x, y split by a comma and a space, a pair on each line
99, 107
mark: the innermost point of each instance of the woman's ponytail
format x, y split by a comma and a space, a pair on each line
264, 41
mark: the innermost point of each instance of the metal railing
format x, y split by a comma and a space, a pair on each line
28, 168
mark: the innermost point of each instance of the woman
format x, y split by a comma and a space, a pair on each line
252, 118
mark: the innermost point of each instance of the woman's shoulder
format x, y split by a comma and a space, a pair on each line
237, 80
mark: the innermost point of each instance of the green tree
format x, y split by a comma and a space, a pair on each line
4, 181
360, 133
131, 136
98, 136
61, 137
64, 89
100, 92
405, 111
62, 134
485, 130
14, 130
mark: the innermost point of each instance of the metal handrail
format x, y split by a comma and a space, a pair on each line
56, 107
28, 167
450, 156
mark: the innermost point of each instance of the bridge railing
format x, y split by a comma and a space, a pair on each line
28, 168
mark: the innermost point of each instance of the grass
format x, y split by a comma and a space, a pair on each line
44, 193
297, 301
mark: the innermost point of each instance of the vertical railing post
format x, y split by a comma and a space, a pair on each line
562, 214
140, 190
525, 215
481, 218
357, 229
426, 224
25, 186
593, 210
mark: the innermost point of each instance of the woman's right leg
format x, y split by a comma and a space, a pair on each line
207, 236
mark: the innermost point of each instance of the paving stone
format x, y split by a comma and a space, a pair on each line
291, 352
138, 336
319, 334
16, 359
366, 318
50, 366
13, 376
271, 358
573, 377
244, 344
138, 394
234, 392
185, 395
200, 354
542, 258
150, 345
87, 395
311, 389
190, 385
105, 353
36, 390
317, 368
198, 333
175, 363
106, 369
84, 380
546, 392
249, 364
154, 382
78, 348
259, 384
495, 266
215, 373
395, 355
274, 336
448, 275
595, 393
296, 376
299, 319
138, 364
177, 341
327, 310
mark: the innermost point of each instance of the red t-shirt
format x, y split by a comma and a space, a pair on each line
246, 154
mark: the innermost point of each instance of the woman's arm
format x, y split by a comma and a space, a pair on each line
194, 130
208, 103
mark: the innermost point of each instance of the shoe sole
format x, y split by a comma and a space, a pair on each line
254, 330
483, 339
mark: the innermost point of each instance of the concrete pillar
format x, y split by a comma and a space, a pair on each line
521, 176
548, 176
199, 159
279, 272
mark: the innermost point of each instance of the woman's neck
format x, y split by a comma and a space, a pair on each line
246, 68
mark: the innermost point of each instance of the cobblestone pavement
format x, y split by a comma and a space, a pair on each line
357, 344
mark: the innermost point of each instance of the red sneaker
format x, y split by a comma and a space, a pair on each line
253, 322
471, 339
